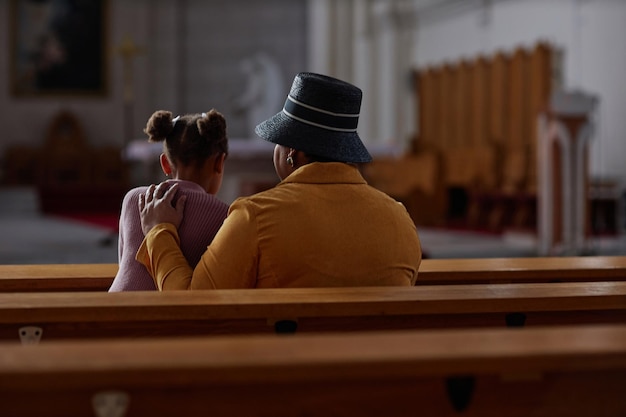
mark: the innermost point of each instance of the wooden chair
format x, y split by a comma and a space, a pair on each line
109, 168
414, 180
469, 171
78, 177
22, 165
67, 154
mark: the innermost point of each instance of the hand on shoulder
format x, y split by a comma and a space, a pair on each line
156, 206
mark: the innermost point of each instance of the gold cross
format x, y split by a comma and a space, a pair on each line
128, 50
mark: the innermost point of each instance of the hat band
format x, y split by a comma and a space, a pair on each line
339, 122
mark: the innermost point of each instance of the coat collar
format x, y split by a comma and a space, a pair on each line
326, 173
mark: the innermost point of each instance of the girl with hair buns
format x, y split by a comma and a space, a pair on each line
195, 147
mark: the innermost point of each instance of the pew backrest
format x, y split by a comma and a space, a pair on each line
57, 277
47, 316
519, 270
569, 371
98, 277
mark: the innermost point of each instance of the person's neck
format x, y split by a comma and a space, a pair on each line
202, 181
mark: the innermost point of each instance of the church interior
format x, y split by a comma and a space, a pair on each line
499, 124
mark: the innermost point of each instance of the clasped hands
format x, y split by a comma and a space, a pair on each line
156, 206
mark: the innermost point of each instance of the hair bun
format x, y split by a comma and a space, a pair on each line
212, 124
159, 126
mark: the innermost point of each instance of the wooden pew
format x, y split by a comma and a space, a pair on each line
57, 277
49, 316
573, 371
98, 277
518, 270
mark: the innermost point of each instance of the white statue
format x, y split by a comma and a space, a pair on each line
263, 94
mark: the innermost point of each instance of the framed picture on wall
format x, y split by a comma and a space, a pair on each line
58, 47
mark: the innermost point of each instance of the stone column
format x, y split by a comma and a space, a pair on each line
368, 43
564, 132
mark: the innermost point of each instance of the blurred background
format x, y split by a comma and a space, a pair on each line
455, 94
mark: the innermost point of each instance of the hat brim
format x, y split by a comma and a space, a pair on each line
312, 140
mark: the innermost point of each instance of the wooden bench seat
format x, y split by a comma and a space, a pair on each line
573, 371
98, 277
177, 313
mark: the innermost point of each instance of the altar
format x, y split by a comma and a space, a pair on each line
249, 166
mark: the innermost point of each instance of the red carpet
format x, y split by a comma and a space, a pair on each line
93, 205
109, 221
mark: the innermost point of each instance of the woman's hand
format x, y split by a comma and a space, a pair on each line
156, 206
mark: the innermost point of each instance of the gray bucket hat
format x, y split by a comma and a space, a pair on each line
320, 118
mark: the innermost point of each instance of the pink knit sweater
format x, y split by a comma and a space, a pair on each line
204, 214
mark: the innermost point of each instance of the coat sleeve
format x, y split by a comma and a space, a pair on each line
161, 255
231, 260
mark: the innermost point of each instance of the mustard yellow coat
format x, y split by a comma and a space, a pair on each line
322, 226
